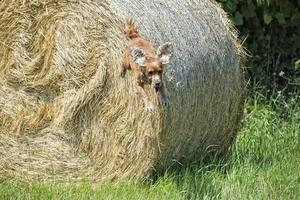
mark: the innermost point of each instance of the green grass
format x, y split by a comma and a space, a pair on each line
263, 164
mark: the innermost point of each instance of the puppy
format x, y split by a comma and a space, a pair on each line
147, 63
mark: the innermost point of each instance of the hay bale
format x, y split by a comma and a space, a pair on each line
65, 111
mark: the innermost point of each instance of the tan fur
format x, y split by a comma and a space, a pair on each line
131, 29
151, 73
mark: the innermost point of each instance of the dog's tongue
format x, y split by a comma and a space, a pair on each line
157, 89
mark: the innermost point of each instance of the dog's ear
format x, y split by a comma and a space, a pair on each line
165, 52
138, 56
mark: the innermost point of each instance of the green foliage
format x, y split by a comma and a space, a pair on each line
297, 65
263, 164
271, 29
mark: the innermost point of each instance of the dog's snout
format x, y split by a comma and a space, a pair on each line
157, 85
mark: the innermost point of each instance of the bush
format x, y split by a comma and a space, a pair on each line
271, 30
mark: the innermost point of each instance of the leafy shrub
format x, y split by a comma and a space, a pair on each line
271, 30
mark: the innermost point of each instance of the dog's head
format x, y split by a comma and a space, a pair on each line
152, 65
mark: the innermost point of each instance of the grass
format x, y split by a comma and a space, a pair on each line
263, 164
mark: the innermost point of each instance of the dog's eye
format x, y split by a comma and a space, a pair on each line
160, 71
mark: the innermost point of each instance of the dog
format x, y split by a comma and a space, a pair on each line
147, 63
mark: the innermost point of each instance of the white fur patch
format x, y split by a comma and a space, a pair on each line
165, 52
138, 56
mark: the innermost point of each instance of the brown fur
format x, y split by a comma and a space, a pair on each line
151, 71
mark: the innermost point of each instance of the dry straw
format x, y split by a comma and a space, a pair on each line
66, 112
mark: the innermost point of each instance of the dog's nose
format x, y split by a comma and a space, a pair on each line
157, 85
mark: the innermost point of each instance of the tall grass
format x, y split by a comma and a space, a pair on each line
264, 163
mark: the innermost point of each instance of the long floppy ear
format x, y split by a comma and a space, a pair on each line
165, 52
138, 56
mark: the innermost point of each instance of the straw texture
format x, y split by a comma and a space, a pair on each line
66, 111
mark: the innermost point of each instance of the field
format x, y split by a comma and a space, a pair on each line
263, 164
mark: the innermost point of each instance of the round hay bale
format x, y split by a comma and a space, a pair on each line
65, 110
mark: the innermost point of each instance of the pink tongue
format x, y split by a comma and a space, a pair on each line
156, 90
